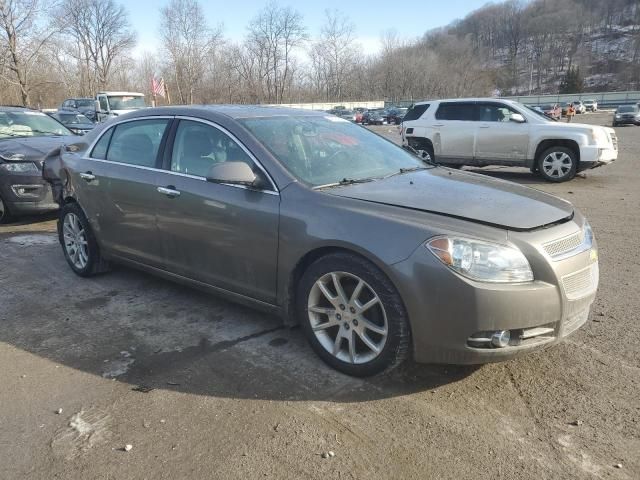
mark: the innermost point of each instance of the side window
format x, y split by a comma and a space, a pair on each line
137, 142
100, 149
456, 111
104, 105
494, 113
415, 112
199, 146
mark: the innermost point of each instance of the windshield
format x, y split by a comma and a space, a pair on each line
627, 109
86, 102
328, 150
72, 118
125, 102
29, 124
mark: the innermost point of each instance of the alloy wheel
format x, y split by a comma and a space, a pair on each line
557, 164
347, 317
75, 241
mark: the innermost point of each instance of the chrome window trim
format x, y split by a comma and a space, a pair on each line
87, 156
241, 145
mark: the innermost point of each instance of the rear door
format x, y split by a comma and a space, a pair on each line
122, 172
222, 235
498, 139
455, 130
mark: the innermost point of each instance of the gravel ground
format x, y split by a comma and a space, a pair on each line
201, 388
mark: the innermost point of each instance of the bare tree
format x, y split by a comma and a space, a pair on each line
188, 40
102, 33
22, 37
273, 35
336, 53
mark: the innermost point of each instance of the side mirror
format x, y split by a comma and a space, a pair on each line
517, 117
236, 173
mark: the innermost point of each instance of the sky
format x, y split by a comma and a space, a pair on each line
371, 17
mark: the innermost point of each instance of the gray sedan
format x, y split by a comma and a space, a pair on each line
375, 254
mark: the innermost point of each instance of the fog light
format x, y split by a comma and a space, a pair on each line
500, 339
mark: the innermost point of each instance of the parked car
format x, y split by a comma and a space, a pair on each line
26, 137
579, 106
374, 116
112, 104
489, 131
395, 115
84, 106
358, 113
291, 211
626, 115
343, 113
591, 105
76, 122
552, 110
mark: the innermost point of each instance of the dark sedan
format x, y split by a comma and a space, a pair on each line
394, 116
26, 136
374, 117
76, 122
375, 254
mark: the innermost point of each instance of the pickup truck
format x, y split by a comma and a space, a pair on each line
490, 131
112, 104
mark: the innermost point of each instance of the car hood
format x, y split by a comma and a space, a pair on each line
464, 195
33, 148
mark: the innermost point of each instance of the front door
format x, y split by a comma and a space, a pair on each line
498, 139
126, 178
222, 235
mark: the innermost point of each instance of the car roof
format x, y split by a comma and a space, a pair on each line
232, 111
16, 108
466, 100
78, 98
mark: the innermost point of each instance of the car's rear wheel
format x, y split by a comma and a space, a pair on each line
5, 214
352, 315
558, 164
78, 242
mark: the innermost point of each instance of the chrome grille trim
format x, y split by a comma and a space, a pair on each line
563, 246
581, 283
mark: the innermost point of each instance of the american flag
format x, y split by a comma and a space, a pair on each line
157, 87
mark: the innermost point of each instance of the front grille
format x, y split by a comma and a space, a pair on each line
560, 247
581, 283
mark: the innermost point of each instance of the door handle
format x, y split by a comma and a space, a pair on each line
88, 176
484, 126
438, 124
169, 191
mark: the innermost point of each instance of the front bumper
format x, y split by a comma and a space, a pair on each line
592, 156
626, 121
26, 194
446, 309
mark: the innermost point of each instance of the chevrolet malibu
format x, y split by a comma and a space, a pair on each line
375, 254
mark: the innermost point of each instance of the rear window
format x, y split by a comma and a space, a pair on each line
416, 112
456, 111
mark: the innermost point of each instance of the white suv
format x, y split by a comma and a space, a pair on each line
489, 131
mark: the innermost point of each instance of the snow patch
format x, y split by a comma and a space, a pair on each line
31, 240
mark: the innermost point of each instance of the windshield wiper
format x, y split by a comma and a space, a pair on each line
345, 181
405, 170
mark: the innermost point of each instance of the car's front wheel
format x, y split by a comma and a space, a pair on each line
352, 315
78, 242
558, 164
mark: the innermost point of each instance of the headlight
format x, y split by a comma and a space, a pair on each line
617, 116
12, 157
482, 261
20, 167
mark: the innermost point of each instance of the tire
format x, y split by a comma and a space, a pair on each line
426, 152
78, 242
337, 331
558, 164
5, 214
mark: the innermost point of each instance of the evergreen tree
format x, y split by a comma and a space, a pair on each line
573, 81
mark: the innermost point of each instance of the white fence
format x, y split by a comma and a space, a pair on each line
330, 105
